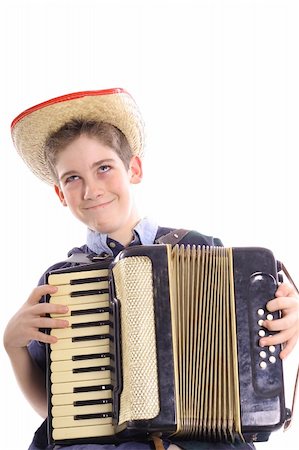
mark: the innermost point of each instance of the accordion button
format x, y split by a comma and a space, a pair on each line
272, 359
262, 333
272, 349
270, 317
263, 365
261, 312
260, 322
263, 354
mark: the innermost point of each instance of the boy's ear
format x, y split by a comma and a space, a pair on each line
136, 170
60, 194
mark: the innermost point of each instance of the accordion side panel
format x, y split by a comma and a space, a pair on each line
262, 401
134, 290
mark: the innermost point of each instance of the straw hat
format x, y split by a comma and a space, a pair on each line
31, 128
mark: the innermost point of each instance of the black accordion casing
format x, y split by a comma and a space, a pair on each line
257, 373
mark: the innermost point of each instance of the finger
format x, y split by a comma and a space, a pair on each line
39, 292
281, 303
44, 337
285, 290
49, 323
278, 338
42, 309
289, 346
288, 321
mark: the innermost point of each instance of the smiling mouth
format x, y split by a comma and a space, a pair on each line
99, 206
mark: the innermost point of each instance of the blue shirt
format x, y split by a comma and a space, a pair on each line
144, 233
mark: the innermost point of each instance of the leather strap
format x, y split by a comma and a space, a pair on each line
173, 238
288, 422
158, 443
84, 258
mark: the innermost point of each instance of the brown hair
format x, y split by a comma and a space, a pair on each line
104, 132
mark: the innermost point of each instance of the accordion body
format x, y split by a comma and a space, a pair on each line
165, 341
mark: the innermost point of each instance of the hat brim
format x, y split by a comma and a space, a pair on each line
31, 128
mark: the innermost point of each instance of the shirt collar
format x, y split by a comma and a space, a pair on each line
146, 230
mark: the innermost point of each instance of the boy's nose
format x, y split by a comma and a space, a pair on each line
93, 190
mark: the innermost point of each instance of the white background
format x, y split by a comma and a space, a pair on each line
217, 82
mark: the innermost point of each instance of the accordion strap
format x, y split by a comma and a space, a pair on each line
158, 443
288, 422
287, 274
85, 258
173, 237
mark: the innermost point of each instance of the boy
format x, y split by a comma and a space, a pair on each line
89, 145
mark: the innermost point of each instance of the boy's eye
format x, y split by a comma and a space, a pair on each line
104, 168
71, 178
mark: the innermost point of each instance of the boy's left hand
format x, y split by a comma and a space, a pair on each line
287, 327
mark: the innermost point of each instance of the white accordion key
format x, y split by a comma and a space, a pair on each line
67, 388
76, 332
72, 354
61, 366
83, 432
69, 376
70, 421
85, 319
74, 277
68, 289
69, 400
82, 309
84, 410
68, 343
93, 298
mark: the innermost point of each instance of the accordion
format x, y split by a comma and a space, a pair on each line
164, 341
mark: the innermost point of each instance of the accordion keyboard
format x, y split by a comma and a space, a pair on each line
80, 397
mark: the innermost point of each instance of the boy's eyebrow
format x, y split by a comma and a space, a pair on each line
95, 164
101, 162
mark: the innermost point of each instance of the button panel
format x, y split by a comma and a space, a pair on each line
266, 364
266, 355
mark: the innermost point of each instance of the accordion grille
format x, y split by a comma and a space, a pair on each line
134, 289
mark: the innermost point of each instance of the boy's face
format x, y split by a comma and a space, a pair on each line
96, 186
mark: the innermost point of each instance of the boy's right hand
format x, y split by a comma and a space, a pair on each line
27, 323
